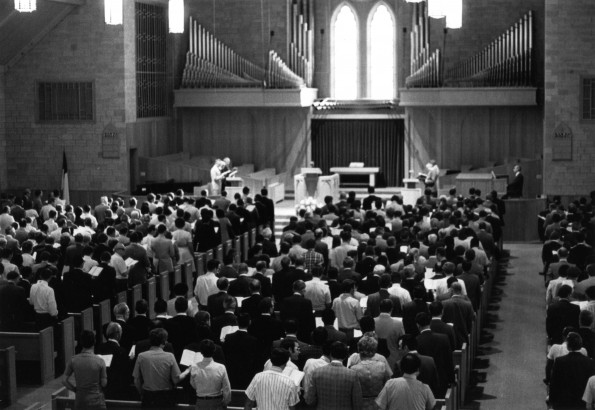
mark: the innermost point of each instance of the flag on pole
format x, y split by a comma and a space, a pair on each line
65, 187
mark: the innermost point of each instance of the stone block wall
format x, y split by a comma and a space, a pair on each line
569, 56
81, 48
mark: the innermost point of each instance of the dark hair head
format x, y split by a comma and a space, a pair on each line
160, 306
436, 308
565, 291
279, 356
158, 336
339, 351
386, 306
141, 307
243, 320
319, 336
181, 304
212, 264
367, 324
574, 341
87, 339
410, 363
423, 319
207, 348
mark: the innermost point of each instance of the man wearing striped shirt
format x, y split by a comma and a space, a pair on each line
271, 389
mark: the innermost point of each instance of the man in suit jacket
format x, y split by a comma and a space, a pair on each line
119, 373
215, 301
266, 327
515, 187
268, 246
138, 272
140, 325
78, 286
250, 304
283, 281
437, 325
458, 311
13, 303
239, 349
334, 386
266, 288
436, 346
181, 328
560, 314
373, 305
570, 374
297, 307
428, 373
333, 335
270, 207
228, 318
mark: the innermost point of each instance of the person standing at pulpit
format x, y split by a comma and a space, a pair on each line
515, 188
217, 177
433, 177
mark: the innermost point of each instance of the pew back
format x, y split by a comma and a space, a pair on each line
33, 347
8, 376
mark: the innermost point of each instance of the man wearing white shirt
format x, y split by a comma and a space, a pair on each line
44, 301
117, 262
317, 291
442, 288
206, 285
397, 290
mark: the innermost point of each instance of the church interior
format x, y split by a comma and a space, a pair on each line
141, 96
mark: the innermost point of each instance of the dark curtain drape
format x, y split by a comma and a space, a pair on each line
376, 143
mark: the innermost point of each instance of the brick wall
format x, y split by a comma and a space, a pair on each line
3, 180
81, 48
569, 55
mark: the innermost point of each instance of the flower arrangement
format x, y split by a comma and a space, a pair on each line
309, 204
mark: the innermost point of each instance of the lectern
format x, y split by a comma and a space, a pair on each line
234, 185
311, 183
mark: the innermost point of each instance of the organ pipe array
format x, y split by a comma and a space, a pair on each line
212, 64
425, 66
301, 46
506, 61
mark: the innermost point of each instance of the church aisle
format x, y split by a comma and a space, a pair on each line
517, 352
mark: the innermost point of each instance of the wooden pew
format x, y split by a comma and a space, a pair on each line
245, 246
199, 261
150, 295
227, 245
209, 255
252, 237
37, 348
219, 252
163, 285
65, 347
122, 297
177, 276
63, 399
461, 359
102, 315
134, 295
8, 376
82, 321
188, 278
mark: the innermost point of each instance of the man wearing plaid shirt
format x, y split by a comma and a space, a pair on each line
311, 257
334, 386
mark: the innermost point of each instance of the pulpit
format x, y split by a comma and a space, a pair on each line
311, 183
233, 185
484, 182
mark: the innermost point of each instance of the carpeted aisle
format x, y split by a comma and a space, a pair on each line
513, 376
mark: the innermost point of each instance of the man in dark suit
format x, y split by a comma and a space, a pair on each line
515, 187
370, 199
411, 309
266, 288
436, 346
239, 349
181, 328
366, 265
215, 301
119, 373
228, 318
78, 287
570, 374
437, 325
268, 246
270, 208
373, 306
283, 280
140, 325
458, 311
250, 304
266, 327
428, 373
560, 314
347, 272
328, 320
297, 307
13, 303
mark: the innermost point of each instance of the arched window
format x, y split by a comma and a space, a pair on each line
381, 53
344, 57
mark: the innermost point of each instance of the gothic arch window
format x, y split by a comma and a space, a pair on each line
344, 53
381, 52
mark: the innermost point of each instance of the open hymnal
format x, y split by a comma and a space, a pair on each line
132, 352
130, 262
295, 375
189, 357
95, 271
227, 330
107, 358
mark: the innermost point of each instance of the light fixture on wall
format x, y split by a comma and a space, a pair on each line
113, 12
454, 14
176, 16
414, 1
437, 8
25, 6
